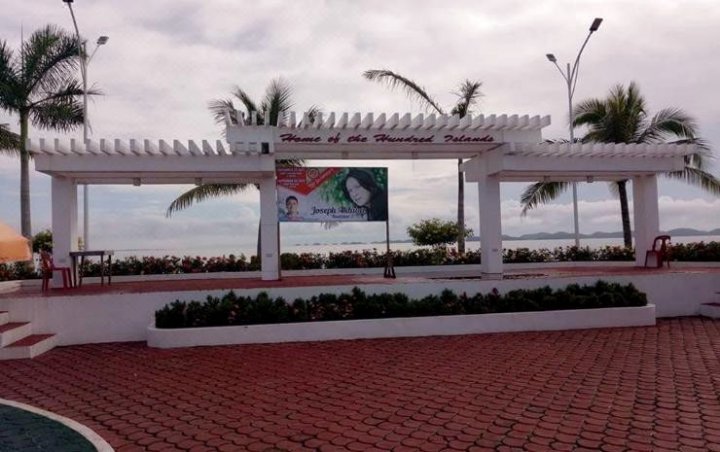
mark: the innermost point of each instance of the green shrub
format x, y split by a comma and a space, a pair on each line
42, 241
171, 316
436, 232
18, 270
696, 252
693, 252
262, 309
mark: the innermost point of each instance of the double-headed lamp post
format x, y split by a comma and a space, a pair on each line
102, 40
571, 78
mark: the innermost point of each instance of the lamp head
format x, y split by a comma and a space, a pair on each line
67, 1
102, 40
551, 58
596, 24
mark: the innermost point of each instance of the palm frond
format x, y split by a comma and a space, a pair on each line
60, 114
541, 193
277, 100
697, 141
313, 112
698, 178
9, 142
591, 111
70, 90
412, 89
6, 59
468, 95
668, 122
699, 158
50, 56
619, 118
614, 190
220, 107
203, 192
626, 115
8, 78
633, 96
246, 100
289, 163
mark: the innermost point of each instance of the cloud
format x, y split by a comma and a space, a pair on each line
166, 59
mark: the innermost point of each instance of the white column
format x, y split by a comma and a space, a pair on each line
64, 223
646, 215
269, 230
490, 225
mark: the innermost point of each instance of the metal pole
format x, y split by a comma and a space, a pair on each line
83, 71
576, 219
571, 78
389, 265
86, 190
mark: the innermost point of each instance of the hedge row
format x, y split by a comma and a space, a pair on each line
232, 309
707, 252
17, 270
374, 259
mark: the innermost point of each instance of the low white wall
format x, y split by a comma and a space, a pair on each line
125, 317
450, 325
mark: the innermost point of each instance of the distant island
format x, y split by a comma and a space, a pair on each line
679, 232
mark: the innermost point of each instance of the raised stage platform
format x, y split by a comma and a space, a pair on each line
122, 311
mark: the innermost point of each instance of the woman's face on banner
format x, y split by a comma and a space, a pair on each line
358, 194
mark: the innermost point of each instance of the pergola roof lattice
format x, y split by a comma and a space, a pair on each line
394, 121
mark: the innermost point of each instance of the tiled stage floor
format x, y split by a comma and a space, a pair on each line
226, 283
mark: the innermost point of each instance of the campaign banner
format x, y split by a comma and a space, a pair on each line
318, 194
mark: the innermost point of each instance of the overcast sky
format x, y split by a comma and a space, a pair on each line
167, 58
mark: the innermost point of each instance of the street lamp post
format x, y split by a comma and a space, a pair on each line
571, 78
102, 40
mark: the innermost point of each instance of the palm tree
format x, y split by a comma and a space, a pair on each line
468, 95
622, 117
277, 100
39, 84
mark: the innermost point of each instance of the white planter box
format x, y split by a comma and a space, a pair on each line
402, 327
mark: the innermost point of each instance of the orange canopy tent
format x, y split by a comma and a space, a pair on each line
13, 246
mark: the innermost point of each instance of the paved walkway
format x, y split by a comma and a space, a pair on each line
653, 388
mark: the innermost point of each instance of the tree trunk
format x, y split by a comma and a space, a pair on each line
627, 233
259, 242
25, 223
461, 210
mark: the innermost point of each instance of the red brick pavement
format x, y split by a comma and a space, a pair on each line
653, 388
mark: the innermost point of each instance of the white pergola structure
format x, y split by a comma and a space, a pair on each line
498, 148
138, 162
519, 162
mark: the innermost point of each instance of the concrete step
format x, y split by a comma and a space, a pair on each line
4, 317
29, 347
13, 332
711, 310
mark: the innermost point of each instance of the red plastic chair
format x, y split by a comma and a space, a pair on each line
48, 267
661, 251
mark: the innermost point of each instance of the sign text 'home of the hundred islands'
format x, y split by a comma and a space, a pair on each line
353, 137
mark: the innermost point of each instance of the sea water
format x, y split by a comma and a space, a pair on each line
399, 246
